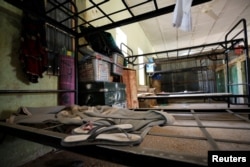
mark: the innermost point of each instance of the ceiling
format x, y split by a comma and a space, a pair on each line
210, 22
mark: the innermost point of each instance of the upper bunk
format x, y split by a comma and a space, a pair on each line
69, 8
73, 17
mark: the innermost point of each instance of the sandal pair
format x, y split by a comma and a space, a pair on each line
96, 134
90, 127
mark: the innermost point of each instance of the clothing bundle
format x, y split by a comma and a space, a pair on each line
33, 51
96, 125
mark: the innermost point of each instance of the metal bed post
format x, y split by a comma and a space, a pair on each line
227, 73
245, 40
76, 43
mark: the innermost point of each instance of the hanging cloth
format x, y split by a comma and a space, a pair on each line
182, 15
33, 51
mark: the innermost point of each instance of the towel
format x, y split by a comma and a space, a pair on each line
182, 15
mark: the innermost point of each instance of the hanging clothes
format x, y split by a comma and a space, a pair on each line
33, 51
182, 15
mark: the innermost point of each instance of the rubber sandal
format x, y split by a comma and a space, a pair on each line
102, 136
91, 127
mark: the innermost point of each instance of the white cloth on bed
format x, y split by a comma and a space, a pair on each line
79, 114
182, 15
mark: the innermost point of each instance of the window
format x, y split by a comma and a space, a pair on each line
121, 37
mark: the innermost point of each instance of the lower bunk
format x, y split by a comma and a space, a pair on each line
175, 137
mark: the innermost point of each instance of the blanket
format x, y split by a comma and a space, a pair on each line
77, 115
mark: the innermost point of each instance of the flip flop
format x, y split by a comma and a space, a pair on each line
102, 136
91, 127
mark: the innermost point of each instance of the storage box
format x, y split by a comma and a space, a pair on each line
117, 67
118, 59
101, 93
94, 70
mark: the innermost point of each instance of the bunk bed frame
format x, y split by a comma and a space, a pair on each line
142, 154
74, 16
219, 51
210, 51
185, 143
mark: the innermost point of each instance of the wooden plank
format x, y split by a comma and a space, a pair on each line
133, 89
129, 79
125, 80
198, 95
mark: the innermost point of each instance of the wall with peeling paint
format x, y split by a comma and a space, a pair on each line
14, 151
11, 74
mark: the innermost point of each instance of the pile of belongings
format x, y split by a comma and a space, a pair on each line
96, 125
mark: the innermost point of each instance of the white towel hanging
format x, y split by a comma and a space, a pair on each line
182, 15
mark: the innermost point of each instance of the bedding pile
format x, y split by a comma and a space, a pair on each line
96, 124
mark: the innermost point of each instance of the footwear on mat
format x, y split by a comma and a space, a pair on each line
102, 136
91, 126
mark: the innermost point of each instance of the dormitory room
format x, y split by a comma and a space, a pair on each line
115, 83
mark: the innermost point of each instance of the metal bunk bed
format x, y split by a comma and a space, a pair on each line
214, 52
185, 143
76, 18
146, 153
